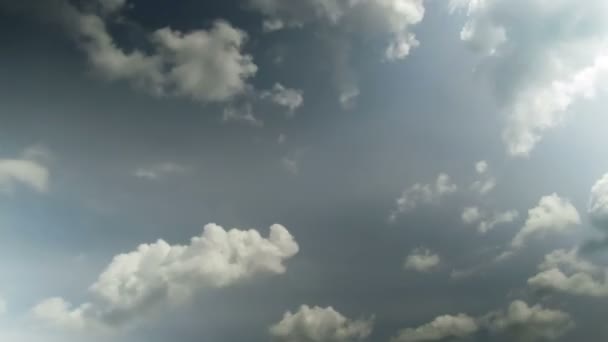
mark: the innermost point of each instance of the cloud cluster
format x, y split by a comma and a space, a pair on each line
519, 320
289, 98
553, 214
442, 327
541, 56
26, 170
565, 271
423, 193
391, 20
421, 260
317, 324
486, 222
159, 274
206, 65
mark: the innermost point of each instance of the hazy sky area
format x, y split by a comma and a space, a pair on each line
303, 171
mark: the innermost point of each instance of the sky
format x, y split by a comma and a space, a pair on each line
303, 171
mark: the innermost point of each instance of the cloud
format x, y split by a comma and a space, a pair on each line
598, 203
423, 193
565, 271
528, 322
348, 97
552, 215
289, 98
26, 171
519, 321
532, 52
243, 115
390, 20
442, 327
290, 164
487, 182
487, 222
159, 274
421, 260
316, 324
205, 65
158, 171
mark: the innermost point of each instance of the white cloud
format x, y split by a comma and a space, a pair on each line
421, 260
289, 98
442, 327
348, 97
26, 170
542, 57
519, 320
481, 167
487, 222
160, 274
552, 215
486, 183
316, 324
529, 322
242, 115
158, 171
391, 20
272, 25
205, 65
423, 193
566, 271
598, 203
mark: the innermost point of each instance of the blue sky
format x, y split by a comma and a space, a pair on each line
311, 171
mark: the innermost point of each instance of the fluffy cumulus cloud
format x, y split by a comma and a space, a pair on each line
423, 193
317, 324
486, 222
542, 57
421, 260
553, 214
289, 98
158, 274
598, 204
206, 65
391, 20
25, 170
565, 271
440, 328
519, 321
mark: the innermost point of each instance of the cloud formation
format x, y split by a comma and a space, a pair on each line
519, 321
390, 20
289, 98
26, 171
553, 214
531, 50
598, 203
205, 65
442, 327
486, 222
158, 274
565, 271
317, 324
158, 171
423, 194
421, 260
